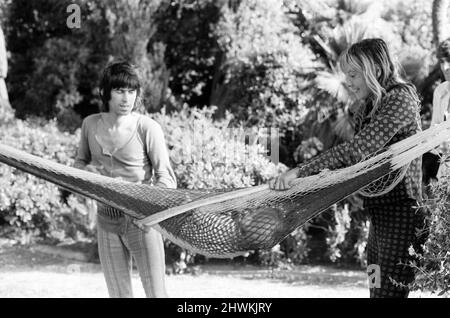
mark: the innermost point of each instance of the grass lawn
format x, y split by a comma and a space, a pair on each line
27, 272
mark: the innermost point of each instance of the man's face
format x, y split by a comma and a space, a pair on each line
445, 68
122, 101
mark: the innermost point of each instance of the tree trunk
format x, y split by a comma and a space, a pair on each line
132, 27
440, 20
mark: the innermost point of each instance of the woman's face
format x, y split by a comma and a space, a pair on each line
122, 101
445, 68
356, 83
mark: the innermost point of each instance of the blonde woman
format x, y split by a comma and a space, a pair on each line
389, 113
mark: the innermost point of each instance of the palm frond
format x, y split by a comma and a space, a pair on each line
332, 83
352, 31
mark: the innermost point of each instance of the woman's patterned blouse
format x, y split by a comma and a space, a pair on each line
396, 119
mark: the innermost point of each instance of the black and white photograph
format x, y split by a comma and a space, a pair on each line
224, 153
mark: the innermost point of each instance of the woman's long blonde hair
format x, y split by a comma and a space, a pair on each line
372, 56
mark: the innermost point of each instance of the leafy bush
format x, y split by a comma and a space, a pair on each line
54, 70
205, 155
32, 206
347, 234
191, 51
53, 87
257, 81
433, 259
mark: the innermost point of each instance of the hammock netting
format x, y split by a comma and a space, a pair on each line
226, 224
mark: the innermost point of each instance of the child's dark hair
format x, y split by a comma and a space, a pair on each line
121, 74
443, 51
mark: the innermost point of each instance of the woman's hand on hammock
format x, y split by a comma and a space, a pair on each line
284, 180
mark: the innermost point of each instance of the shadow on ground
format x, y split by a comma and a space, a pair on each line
19, 258
28, 272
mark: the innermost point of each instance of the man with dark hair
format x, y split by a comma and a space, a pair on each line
120, 143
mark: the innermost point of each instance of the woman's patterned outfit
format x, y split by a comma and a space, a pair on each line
394, 216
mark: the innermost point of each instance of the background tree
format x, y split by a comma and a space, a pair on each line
53, 67
191, 50
131, 26
440, 20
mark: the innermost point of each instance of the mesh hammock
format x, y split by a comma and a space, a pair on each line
227, 224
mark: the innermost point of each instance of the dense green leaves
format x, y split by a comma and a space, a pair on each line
206, 154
